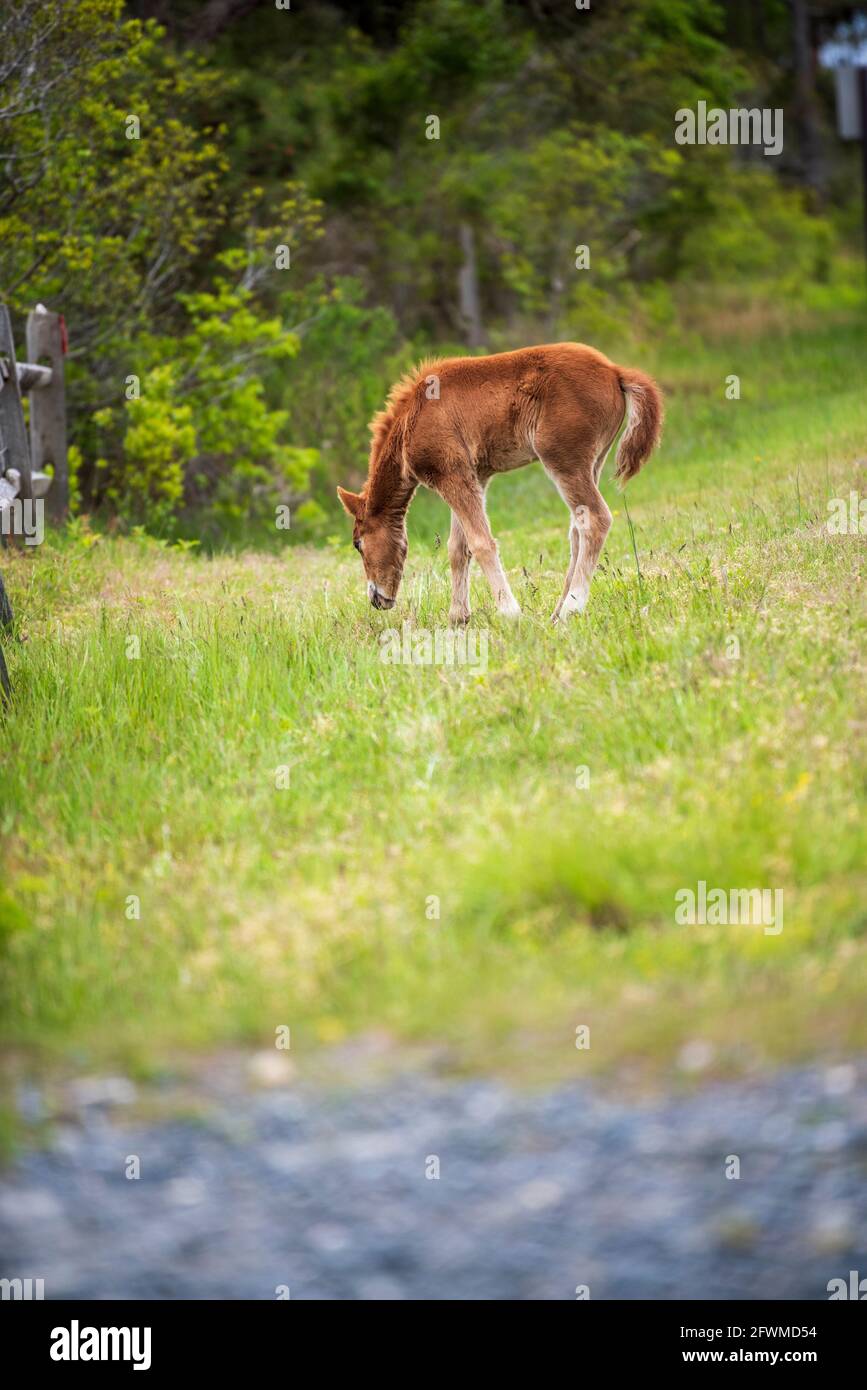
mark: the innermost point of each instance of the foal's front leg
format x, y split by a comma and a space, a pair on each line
459, 559
467, 502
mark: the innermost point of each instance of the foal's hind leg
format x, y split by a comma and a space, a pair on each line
575, 545
459, 560
593, 523
589, 524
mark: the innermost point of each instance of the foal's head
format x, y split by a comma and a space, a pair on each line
381, 542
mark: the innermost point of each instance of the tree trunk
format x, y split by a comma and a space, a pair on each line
806, 109
468, 288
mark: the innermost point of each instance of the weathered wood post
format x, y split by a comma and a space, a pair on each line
5, 621
14, 443
46, 346
5, 607
21, 479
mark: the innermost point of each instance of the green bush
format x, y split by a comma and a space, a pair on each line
195, 426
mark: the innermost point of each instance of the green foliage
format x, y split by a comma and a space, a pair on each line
758, 228
573, 187
124, 235
158, 442
201, 430
109, 226
350, 355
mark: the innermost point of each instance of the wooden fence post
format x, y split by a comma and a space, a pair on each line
5, 621
13, 431
48, 408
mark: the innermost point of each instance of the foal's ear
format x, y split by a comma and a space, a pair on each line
353, 502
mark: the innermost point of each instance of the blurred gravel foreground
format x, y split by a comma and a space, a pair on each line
272, 1187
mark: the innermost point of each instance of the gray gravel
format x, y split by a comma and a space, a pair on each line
538, 1192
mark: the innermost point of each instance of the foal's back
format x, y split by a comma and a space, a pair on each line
488, 413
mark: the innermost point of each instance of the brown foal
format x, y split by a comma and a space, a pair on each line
453, 423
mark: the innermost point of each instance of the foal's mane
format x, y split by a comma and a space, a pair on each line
390, 429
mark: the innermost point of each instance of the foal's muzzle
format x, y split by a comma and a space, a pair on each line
377, 599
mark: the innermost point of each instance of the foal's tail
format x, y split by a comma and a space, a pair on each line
644, 411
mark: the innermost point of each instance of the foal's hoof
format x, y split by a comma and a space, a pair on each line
459, 617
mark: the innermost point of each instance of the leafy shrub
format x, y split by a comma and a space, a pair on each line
200, 428
349, 356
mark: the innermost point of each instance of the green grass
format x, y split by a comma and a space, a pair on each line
306, 906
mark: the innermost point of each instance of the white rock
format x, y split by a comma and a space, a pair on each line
695, 1056
839, 1081
270, 1069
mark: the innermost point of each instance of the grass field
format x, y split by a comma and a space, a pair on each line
309, 905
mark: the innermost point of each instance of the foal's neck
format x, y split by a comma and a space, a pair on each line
389, 491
